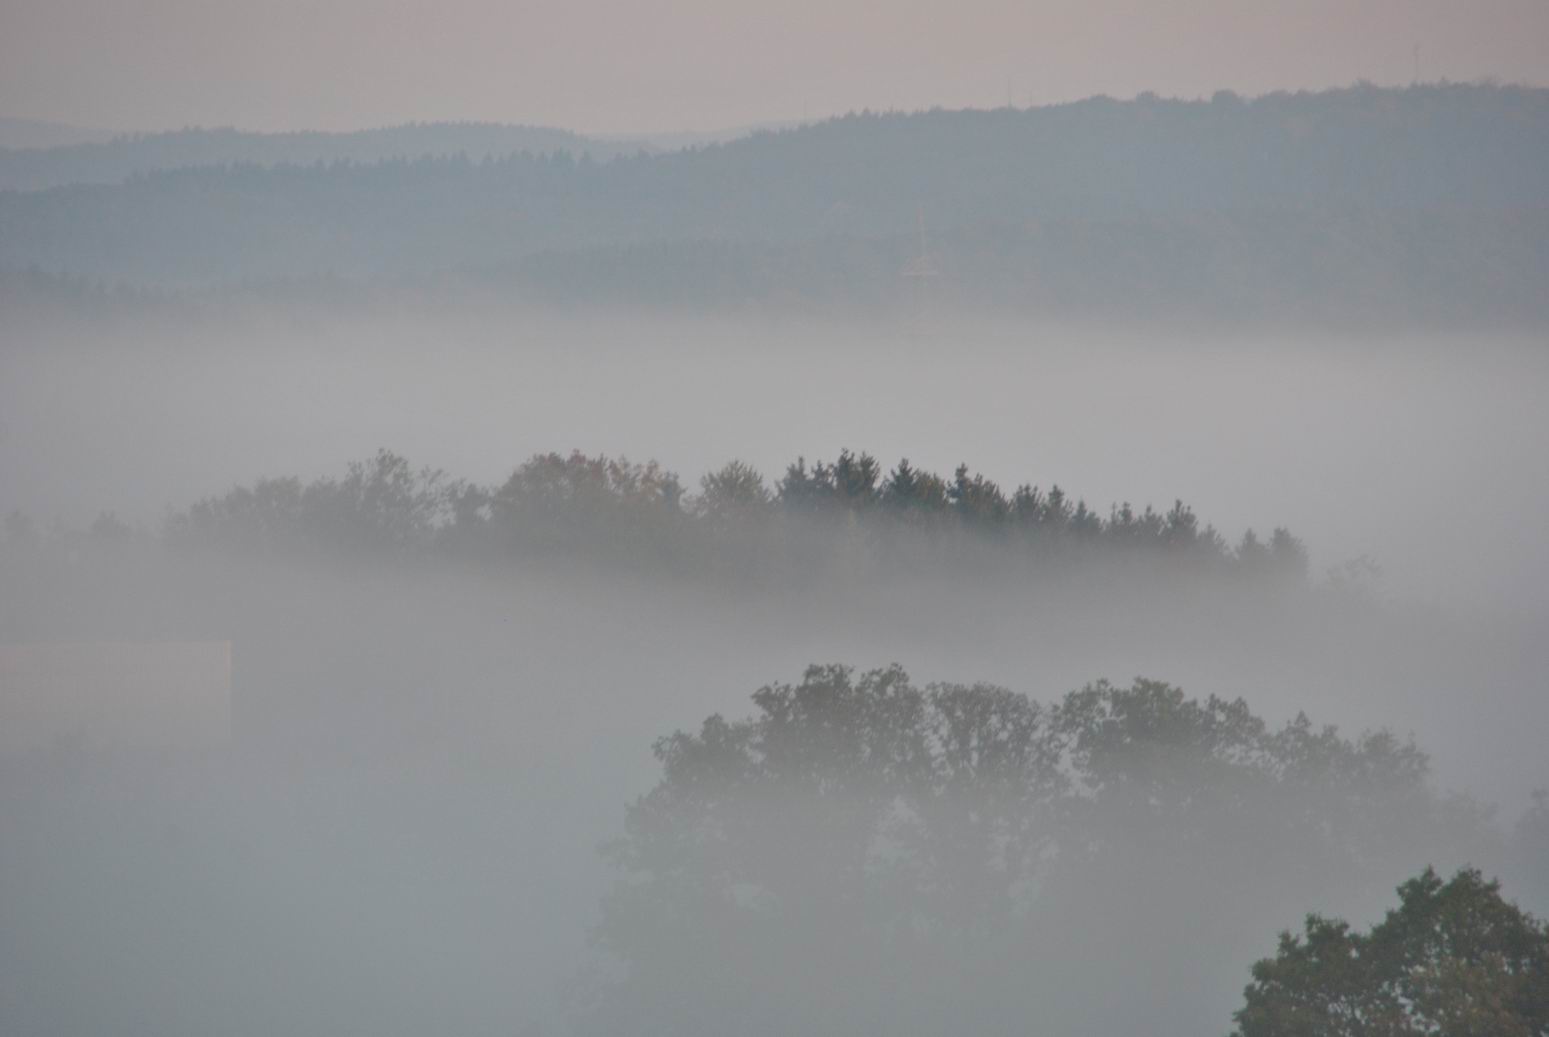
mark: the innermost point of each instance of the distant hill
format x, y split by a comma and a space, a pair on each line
681, 139
111, 161
38, 133
1372, 198
1414, 269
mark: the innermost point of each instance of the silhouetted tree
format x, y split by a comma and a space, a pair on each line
732, 493
914, 494
1454, 959
842, 516
929, 844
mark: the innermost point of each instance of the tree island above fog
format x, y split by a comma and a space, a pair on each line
641, 515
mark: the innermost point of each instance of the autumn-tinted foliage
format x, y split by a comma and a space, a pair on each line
1454, 959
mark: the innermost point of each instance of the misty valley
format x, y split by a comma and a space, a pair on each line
1074, 570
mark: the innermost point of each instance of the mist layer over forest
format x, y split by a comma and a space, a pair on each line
620, 658
449, 736
1337, 437
1403, 207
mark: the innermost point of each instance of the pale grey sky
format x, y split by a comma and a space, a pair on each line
619, 66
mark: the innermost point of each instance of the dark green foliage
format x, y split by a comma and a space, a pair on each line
914, 493
1454, 959
849, 483
732, 493
977, 500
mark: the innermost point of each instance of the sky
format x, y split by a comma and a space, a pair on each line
637, 66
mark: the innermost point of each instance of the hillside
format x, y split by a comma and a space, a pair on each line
1367, 201
92, 161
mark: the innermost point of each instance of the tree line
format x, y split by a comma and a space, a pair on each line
620, 510
126, 155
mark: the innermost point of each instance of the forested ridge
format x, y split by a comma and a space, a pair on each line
642, 513
505, 531
126, 155
1357, 202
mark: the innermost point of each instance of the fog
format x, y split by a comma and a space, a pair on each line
1421, 452
693, 65
1073, 569
426, 752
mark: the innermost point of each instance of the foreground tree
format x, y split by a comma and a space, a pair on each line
1454, 960
864, 855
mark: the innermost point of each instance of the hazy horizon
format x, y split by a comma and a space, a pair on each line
694, 67
999, 555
